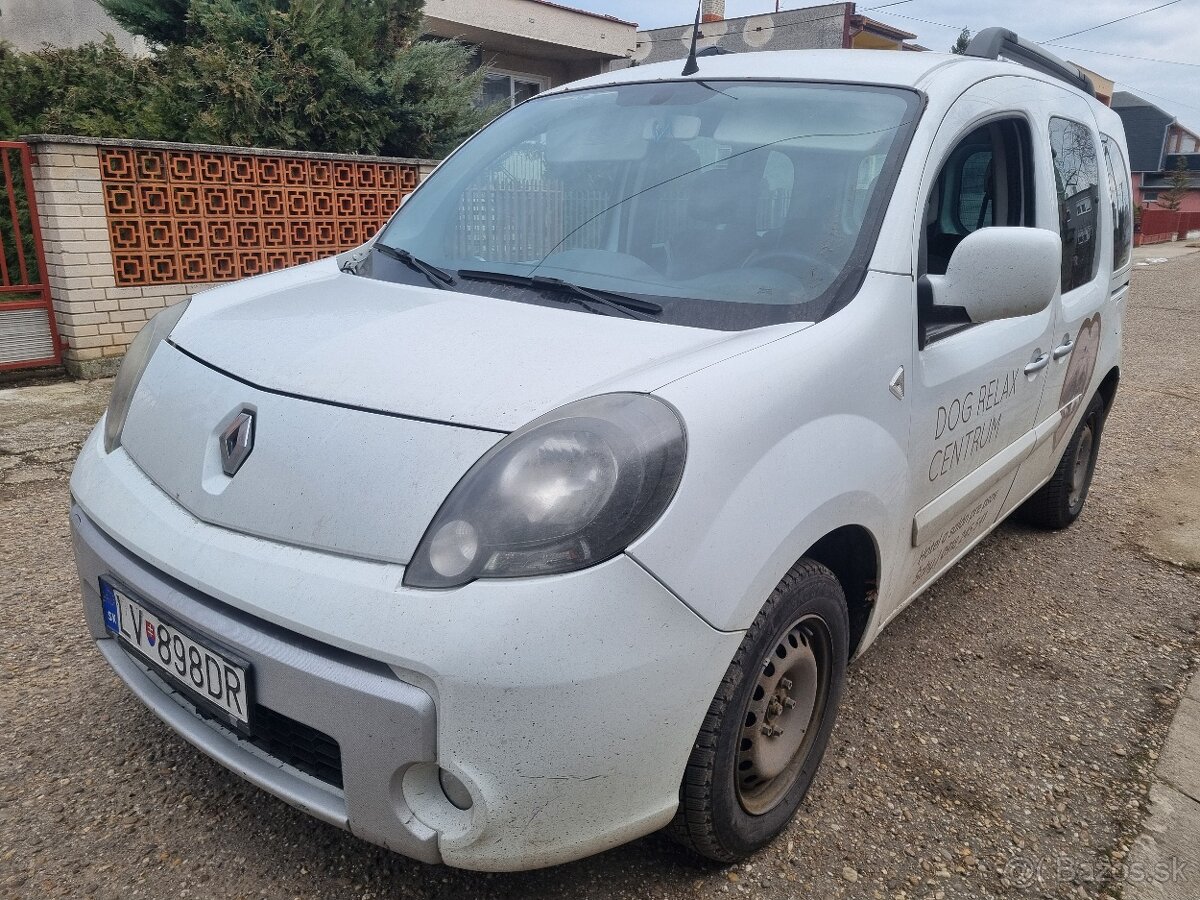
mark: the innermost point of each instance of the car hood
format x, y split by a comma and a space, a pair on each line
320, 333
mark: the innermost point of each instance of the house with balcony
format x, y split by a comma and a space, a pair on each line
528, 46
1157, 141
525, 46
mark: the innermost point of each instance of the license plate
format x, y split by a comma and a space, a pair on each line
204, 673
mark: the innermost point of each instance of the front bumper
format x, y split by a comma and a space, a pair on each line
381, 725
566, 705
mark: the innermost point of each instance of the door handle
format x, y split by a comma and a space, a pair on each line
1038, 363
1064, 348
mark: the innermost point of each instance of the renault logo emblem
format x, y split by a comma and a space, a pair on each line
237, 440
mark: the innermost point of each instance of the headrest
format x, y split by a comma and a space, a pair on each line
721, 196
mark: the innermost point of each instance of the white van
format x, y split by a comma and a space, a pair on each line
553, 515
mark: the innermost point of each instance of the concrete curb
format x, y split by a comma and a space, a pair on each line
1164, 863
1168, 251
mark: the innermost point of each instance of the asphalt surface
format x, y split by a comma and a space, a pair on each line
998, 740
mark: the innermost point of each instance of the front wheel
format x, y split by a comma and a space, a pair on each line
1060, 500
766, 729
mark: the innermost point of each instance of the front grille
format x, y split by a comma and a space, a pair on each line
292, 743
297, 745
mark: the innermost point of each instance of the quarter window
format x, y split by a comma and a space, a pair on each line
1077, 180
1120, 196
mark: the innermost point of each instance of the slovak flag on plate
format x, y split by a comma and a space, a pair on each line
150, 633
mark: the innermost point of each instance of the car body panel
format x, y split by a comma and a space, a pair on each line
302, 482
445, 356
772, 467
1086, 342
975, 408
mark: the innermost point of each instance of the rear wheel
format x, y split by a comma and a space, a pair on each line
766, 730
1059, 501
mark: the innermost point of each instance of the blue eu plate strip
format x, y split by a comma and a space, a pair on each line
109, 600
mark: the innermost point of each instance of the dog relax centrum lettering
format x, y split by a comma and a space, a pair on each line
961, 411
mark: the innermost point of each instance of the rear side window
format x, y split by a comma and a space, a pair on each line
1077, 178
1122, 203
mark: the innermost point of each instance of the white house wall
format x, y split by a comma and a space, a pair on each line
553, 26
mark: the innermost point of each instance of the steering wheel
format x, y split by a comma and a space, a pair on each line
792, 262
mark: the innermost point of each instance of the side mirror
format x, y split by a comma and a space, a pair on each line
1001, 273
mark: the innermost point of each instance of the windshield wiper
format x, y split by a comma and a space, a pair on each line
630, 306
437, 277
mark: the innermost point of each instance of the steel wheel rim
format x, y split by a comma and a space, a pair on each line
1081, 469
783, 715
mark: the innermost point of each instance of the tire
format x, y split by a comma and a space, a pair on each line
744, 781
1059, 501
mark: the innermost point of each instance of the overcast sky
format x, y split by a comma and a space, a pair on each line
1165, 34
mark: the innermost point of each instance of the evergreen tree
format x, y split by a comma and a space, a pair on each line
1181, 183
158, 21
93, 90
347, 76
960, 45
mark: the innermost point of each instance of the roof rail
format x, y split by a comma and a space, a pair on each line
1000, 43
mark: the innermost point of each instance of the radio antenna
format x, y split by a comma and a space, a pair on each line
691, 67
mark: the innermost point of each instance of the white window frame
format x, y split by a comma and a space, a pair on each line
541, 81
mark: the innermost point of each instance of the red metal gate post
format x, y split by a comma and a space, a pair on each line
24, 284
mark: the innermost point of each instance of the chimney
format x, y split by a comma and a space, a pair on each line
713, 11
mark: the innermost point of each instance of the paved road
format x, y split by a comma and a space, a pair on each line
999, 740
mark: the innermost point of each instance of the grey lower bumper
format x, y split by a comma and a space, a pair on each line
381, 724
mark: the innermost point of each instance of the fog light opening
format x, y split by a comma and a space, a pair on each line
440, 801
456, 792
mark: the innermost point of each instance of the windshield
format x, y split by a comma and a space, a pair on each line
729, 204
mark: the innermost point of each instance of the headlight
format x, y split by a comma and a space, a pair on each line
137, 357
569, 490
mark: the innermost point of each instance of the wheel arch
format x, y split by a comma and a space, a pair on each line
1108, 388
852, 554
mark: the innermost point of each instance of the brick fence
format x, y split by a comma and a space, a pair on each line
132, 226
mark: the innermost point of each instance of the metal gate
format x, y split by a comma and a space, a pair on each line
28, 336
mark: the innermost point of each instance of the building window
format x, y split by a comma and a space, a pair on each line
510, 88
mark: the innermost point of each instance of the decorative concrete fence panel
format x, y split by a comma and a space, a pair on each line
130, 227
